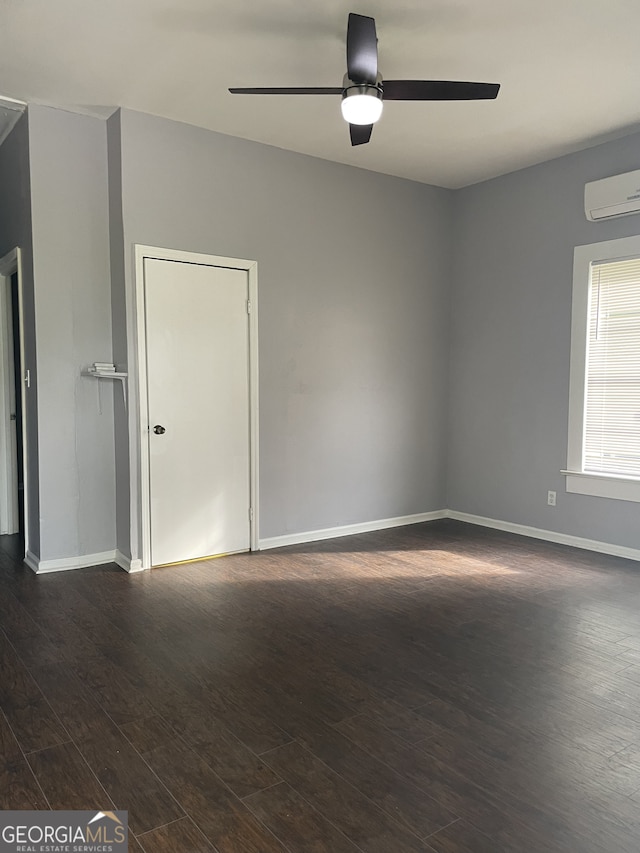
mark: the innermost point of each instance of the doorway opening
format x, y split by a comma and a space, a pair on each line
13, 498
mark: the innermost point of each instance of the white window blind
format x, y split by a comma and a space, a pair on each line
612, 392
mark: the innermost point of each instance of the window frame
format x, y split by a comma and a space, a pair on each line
578, 481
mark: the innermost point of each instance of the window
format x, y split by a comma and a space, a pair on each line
604, 399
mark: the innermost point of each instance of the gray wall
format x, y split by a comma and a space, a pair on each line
353, 312
15, 231
69, 192
119, 330
414, 343
510, 344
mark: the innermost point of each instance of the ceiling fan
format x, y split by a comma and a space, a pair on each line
363, 88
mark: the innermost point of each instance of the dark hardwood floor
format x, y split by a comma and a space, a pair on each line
438, 687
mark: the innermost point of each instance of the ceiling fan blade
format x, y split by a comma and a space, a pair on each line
438, 90
362, 49
360, 133
320, 90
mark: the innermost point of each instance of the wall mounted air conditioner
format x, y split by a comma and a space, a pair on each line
616, 196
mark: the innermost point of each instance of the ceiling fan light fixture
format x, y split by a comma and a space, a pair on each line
361, 104
362, 86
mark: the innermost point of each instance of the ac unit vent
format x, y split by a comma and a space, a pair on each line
616, 196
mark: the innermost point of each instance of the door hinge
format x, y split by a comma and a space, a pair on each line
250, 513
248, 306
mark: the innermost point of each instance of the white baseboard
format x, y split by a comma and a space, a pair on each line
127, 563
348, 530
32, 561
42, 567
65, 564
547, 535
131, 566
507, 526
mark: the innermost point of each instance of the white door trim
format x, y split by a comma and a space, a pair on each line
139, 417
12, 263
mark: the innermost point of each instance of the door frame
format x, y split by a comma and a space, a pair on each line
9, 496
11, 264
141, 409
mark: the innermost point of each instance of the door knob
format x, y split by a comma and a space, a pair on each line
159, 430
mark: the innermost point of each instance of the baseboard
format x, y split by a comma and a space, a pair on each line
348, 530
127, 563
547, 535
42, 567
507, 526
65, 564
122, 561
32, 561
132, 566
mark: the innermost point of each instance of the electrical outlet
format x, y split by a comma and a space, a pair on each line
551, 498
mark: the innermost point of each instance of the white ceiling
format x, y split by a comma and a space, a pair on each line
569, 69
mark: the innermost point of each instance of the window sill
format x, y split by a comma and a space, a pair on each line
603, 486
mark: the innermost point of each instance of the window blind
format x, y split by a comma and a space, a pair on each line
612, 400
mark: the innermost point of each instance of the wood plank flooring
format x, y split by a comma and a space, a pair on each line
438, 688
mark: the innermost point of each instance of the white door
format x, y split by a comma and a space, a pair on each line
197, 350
